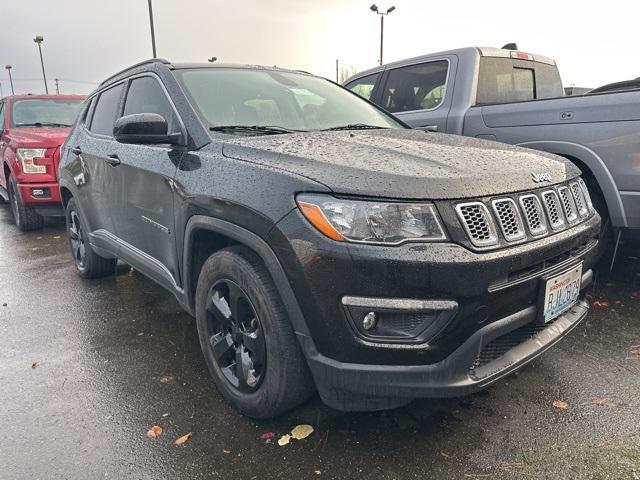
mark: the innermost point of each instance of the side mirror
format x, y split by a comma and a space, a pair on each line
145, 129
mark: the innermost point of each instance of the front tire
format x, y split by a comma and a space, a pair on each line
25, 217
246, 337
88, 263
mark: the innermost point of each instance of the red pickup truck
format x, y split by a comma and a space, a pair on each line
32, 130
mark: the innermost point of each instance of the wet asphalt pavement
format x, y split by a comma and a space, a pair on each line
81, 364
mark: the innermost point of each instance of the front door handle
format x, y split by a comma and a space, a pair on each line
76, 150
430, 128
113, 160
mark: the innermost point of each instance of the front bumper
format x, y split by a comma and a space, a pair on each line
350, 386
43, 196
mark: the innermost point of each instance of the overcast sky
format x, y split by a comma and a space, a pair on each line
87, 40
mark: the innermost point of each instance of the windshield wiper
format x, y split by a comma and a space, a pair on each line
43, 124
266, 129
356, 126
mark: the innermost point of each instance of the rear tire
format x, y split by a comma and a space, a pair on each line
88, 263
246, 336
25, 216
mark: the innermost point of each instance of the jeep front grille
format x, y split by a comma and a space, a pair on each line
516, 217
509, 219
478, 224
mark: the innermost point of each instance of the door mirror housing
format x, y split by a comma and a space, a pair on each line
145, 129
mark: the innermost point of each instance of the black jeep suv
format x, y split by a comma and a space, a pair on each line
320, 243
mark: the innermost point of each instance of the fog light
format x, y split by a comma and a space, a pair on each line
369, 321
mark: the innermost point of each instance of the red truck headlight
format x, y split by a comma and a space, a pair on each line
27, 157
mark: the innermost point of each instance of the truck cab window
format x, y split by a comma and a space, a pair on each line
416, 87
364, 86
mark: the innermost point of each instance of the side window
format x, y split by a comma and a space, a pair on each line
416, 87
84, 119
145, 95
106, 110
1, 116
364, 86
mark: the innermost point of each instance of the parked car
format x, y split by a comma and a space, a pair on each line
319, 242
32, 129
517, 98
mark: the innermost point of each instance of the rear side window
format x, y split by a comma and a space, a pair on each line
145, 95
416, 87
106, 110
364, 86
504, 80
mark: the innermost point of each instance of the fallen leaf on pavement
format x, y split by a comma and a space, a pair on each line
317, 472
226, 451
184, 439
56, 237
600, 401
445, 455
167, 378
284, 440
560, 404
154, 431
35, 365
601, 304
635, 351
301, 432
267, 435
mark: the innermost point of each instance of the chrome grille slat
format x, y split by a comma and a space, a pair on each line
568, 204
554, 209
533, 214
509, 219
578, 197
478, 223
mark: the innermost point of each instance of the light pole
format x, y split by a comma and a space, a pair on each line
374, 8
39, 39
153, 32
8, 67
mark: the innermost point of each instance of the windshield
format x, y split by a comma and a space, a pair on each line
285, 100
49, 112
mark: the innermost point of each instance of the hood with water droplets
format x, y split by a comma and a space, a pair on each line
403, 163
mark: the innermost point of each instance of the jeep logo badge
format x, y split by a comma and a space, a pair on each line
541, 177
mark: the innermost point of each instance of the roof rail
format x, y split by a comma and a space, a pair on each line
145, 62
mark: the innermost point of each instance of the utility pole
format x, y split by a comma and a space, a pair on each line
337, 72
153, 33
374, 8
1, 92
8, 67
39, 39
57, 83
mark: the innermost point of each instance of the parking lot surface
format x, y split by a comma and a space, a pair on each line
88, 367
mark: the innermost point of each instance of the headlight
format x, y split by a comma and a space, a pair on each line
372, 222
26, 156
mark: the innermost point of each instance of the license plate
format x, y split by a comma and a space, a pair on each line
561, 292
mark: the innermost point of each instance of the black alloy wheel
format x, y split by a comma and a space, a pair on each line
235, 336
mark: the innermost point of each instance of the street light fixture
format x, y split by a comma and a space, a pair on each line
39, 39
8, 67
212, 59
374, 9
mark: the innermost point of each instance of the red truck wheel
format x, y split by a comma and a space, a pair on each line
25, 217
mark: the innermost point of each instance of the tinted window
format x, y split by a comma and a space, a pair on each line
45, 112
416, 87
105, 112
225, 96
145, 95
364, 86
1, 116
503, 80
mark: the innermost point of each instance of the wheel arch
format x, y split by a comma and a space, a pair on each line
591, 164
205, 235
65, 195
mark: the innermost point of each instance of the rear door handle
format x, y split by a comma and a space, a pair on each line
113, 160
76, 150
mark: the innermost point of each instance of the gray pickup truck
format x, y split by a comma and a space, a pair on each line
516, 97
